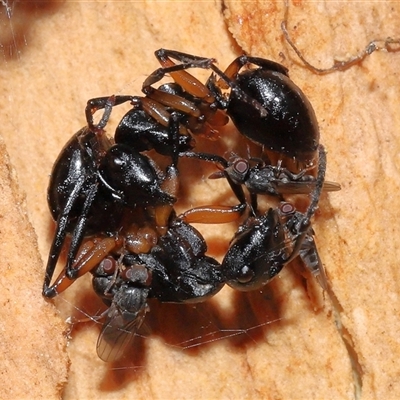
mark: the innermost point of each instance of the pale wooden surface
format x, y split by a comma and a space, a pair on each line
71, 52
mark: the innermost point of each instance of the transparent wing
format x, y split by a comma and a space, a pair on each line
304, 187
118, 333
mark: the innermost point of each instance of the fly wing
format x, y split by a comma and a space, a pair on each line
118, 332
304, 187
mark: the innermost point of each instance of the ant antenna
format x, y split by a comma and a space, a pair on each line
91, 108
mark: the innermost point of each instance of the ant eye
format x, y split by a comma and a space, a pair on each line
246, 275
241, 166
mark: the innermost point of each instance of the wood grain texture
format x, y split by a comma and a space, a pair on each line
287, 341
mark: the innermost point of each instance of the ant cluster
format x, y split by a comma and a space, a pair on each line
114, 204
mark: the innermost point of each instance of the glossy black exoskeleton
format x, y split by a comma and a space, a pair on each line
182, 272
264, 103
139, 249
257, 253
140, 131
175, 270
289, 125
265, 244
94, 181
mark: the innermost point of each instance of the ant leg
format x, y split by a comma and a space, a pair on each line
90, 255
173, 101
228, 77
191, 61
171, 181
387, 45
188, 82
164, 55
78, 233
236, 188
173, 133
94, 251
201, 115
59, 238
236, 65
254, 204
106, 103
154, 109
213, 214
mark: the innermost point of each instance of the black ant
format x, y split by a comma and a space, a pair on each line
95, 182
155, 253
264, 244
260, 247
94, 176
173, 269
176, 269
263, 103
